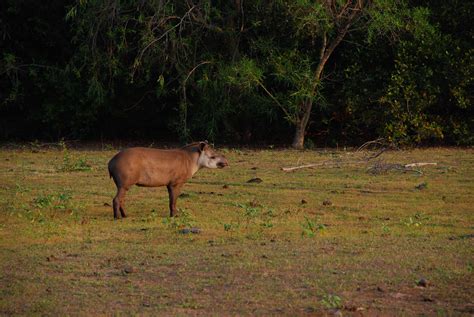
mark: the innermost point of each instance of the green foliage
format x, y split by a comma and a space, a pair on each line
388, 17
53, 201
214, 70
419, 107
72, 163
184, 220
254, 214
311, 227
330, 301
44, 208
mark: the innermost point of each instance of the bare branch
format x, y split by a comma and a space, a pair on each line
189, 75
184, 91
274, 98
366, 144
344, 9
138, 102
140, 56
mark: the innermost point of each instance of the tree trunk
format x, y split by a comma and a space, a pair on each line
301, 124
298, 140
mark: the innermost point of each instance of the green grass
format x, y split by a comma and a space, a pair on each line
260, 251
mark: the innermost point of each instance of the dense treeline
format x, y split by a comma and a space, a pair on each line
253, 71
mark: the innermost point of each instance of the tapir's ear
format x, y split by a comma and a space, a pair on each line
202, 146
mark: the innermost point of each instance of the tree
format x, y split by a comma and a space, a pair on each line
316, 28
238, 71
329, 22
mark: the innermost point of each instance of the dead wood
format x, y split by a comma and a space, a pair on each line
419, 164
378, 142
367, 144
377, 168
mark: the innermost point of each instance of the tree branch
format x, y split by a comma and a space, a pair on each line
274, 98
140, 56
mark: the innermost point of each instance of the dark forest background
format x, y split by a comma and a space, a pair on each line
237, 71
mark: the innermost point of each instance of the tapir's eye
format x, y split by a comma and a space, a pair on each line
213, 157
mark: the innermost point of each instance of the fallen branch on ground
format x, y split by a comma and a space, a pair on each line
289, 169
419, 164
338, 163
369, 151
377, 168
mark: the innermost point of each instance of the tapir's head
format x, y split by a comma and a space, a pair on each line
210, 158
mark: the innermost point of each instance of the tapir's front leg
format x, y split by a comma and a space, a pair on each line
173, 192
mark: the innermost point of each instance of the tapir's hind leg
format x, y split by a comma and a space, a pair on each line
118, 203
173, 192
122, 205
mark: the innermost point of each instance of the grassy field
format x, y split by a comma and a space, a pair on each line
310, 242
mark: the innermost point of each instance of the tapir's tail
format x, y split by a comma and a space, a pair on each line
109, 166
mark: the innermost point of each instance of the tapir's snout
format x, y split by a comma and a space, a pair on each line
223, 163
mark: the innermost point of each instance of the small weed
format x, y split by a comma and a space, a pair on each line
270, 212
231, 226
330, 301
311, 227
42, 207
416, 220
251, 211
267, 217
54, 201
410, 222
190, 304
470, 267
153, 215
385, 228
184, 220
21, 189
254, 213
43, 201
107, 147
72, 163
38, 216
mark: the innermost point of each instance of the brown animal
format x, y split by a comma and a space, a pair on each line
153, 167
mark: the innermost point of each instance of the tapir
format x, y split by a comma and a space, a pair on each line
151, 167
